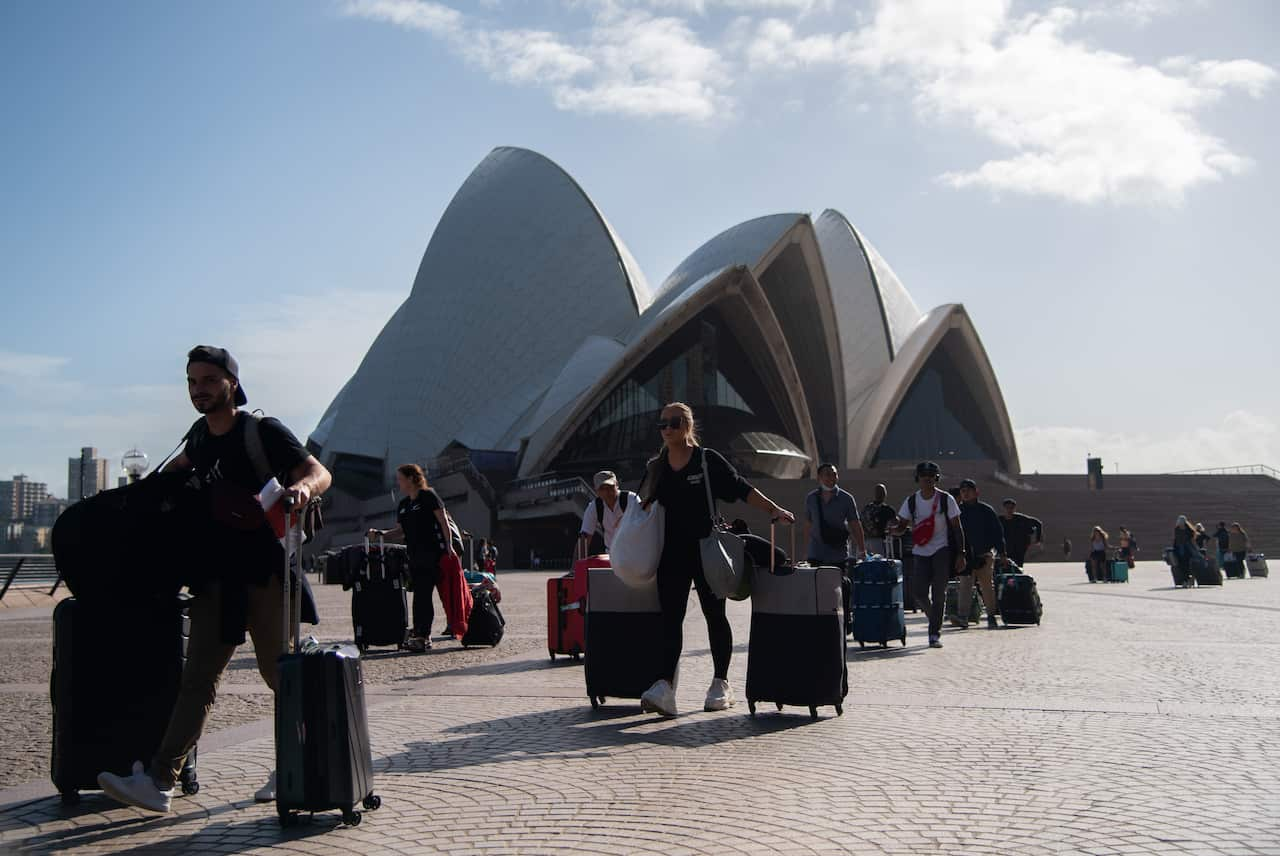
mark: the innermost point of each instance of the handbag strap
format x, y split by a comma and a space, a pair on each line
706, 482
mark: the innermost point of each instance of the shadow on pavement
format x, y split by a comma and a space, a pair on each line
218, 835
574, 731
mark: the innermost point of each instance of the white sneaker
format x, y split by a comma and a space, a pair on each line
719, 696
661, 697
267, 793
137, 789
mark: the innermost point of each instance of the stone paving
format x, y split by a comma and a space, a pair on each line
1136, 719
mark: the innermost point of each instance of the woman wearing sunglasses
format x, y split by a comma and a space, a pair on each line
675, 479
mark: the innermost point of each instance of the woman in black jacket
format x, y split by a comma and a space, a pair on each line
674, 478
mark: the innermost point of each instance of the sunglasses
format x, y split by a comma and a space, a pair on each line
673, 423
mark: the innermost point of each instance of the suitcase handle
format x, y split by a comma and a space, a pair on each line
773, 525
291, 638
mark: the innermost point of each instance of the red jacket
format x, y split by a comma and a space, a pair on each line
455, 594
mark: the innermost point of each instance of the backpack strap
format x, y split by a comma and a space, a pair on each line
254, 447
622, 501
600, 515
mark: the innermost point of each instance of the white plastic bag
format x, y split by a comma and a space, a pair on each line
637, 545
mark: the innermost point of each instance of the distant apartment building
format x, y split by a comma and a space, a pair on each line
19, 497
46, 513
87, 474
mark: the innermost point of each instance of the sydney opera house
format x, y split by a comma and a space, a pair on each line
532, 352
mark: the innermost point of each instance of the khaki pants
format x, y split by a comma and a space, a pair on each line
207, 659
985, 576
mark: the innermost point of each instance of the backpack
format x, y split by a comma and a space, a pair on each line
622, 504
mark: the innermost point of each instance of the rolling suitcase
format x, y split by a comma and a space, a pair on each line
877, 601
1120, 571
1017, 599
566, 608
796, 651
953, 594
1205, 570
1257, 565
91, 735
323, 758
1232, 567
624, 630
379, 606
486, 624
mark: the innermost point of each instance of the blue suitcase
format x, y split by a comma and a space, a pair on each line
877, 602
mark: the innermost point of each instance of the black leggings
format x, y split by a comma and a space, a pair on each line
426, 575
680, 565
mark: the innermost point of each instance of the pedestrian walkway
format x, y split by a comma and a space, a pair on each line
1136, 719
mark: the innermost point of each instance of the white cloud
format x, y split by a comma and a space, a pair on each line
20, 368
1081, 123
1242, 437
627, 62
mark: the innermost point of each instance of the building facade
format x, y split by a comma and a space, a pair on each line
532, 352
19, 497
87, 474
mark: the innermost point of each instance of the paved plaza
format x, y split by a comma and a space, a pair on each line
1137, 719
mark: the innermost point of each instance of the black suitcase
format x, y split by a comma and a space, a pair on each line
323, 756
90, 735
624, 630
379, 605
1205, 570
796, 651
1017, 599
486, 624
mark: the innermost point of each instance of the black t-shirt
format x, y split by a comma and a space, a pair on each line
684, 497
223, 457
417, 517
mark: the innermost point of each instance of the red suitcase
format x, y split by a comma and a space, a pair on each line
566, 605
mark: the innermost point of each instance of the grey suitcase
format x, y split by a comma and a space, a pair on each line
1257, 564
624, 631
323, 757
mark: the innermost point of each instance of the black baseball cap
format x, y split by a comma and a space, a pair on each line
221, 358
964, 483
927, 468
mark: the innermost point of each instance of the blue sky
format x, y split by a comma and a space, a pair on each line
1096, 182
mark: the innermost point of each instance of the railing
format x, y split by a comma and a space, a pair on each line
546, 488
28, 569
442, 467
1245, 470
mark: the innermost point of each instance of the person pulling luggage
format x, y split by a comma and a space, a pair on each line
877, 517
1020, 531
674, 478
233, 454
604, 513
831, 521
938, 544
984, 537
422, 524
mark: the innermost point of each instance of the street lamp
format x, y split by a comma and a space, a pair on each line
134, 463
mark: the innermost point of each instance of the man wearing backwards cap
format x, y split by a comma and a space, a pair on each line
604, 513
239, 587
934, 519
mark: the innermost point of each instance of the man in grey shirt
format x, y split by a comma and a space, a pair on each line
831, 519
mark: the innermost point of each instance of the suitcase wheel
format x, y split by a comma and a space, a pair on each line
352, 818
751, 706
373, 802
576, 655
71, 797
813, 712
287, 818
596, 701
839, 710
553, 655
363, 648
861, 644
779, 704
191, 788
903, 637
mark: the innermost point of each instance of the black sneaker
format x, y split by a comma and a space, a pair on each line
991, 622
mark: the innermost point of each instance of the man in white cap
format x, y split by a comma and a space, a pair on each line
604, 513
